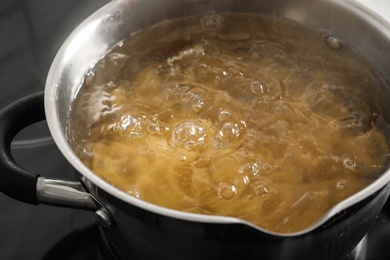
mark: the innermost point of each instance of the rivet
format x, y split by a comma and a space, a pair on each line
103, 218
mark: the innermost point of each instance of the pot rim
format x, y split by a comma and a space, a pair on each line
63, 60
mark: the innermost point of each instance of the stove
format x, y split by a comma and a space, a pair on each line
31, 34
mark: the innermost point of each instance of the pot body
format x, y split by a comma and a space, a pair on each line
144, 231
141, 234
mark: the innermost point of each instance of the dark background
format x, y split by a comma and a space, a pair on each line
31, 32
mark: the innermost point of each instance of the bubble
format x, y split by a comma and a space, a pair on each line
246, 180
181, 157
90, 77
109, 86
120, 44
333, 43
163, 129
224, 115
126, 121
260, 188
340, 185
257, 87
252, 144
350, 164
131, 124
228, 131
226, 191
134, 193
152, 129
189, 135
202, 66
197, 103
210, 22
153, 125
190, 145
87, 151
249, 169
91, 73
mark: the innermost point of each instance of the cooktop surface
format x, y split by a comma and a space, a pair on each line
31, 34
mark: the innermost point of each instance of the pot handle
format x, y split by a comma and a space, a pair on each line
17, 182
29, 187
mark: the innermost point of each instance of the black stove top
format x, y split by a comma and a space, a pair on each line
31, 33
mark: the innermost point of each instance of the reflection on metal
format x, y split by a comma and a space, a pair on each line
360, 251
71, 194
37, 142
64, 193
104, 218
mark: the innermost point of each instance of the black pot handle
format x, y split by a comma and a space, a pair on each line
15, 181
29, 187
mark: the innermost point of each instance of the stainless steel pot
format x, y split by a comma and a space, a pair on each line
135, 229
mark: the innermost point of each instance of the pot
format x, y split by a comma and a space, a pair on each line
134, 229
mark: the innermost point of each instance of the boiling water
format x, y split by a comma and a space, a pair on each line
232, 115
